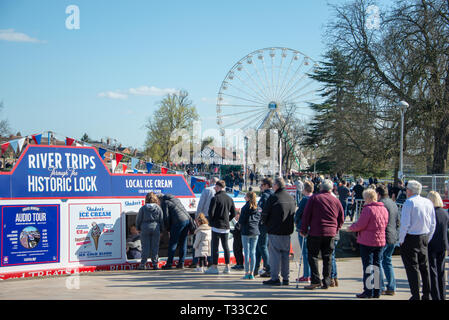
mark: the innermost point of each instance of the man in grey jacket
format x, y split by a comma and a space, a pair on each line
203, 207
392, 237
206, 196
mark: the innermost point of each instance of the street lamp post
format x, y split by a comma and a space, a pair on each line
402, 107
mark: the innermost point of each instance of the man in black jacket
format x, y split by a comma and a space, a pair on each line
221, 211
262, 242
278, 217
176, 220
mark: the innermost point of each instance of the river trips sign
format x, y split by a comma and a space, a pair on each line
30, 234
61, 172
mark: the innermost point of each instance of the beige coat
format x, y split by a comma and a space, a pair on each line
203, 239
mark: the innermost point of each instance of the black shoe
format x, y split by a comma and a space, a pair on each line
324, 287
141, 267
285, 282
180, 266
155, 267
192, 266
237, 267
363, 295
272, 282
166, 267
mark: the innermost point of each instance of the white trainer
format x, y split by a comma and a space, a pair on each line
227, 270
211, 270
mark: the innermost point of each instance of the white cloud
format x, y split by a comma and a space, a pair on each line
139, 91
112, 95
151, 91
13, 36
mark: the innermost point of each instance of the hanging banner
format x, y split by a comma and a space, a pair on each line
95, 231
69, 141
21, 142
118, 157
30, 234
37, 138
4, 147
134, 162
102, 152
14, 144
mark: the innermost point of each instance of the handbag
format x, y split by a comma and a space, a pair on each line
192, 225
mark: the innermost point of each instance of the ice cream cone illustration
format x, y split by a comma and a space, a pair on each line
96, 232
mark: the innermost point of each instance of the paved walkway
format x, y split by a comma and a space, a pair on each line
187, 285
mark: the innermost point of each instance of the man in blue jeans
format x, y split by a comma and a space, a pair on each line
392, 237
176, 219
262, 241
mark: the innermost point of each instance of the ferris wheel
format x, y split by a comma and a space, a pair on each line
263, 84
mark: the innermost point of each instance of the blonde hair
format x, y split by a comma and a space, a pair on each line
436, 199
202, 219
370, 194
252, 200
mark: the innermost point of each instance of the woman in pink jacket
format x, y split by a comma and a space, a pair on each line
371, 228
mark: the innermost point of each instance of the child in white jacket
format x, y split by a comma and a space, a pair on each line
202, 244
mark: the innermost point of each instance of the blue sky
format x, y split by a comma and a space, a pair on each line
76, 81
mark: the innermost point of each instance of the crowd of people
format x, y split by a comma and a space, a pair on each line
262, 232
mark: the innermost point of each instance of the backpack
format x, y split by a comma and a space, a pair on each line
402, 196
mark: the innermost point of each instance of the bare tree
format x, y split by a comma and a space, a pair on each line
4, 125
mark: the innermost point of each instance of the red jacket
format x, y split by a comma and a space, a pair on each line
371, 225
323, 214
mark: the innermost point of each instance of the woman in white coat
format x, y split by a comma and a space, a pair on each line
202, 244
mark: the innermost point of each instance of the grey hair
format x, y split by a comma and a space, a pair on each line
326, 185
280, 182
360, 180
414, 186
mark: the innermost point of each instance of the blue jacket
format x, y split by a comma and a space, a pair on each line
299, 212
249, 221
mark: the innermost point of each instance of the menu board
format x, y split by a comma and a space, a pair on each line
95, 231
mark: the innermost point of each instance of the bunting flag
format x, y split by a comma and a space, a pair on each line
118, 157
37, 138
136, 171
14, 144
149, 166
21, 142
102, 152
134, 162
69, 141
87, 144
164, 170
124, 167
5, 147
113, 165
236, 193
78, 144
